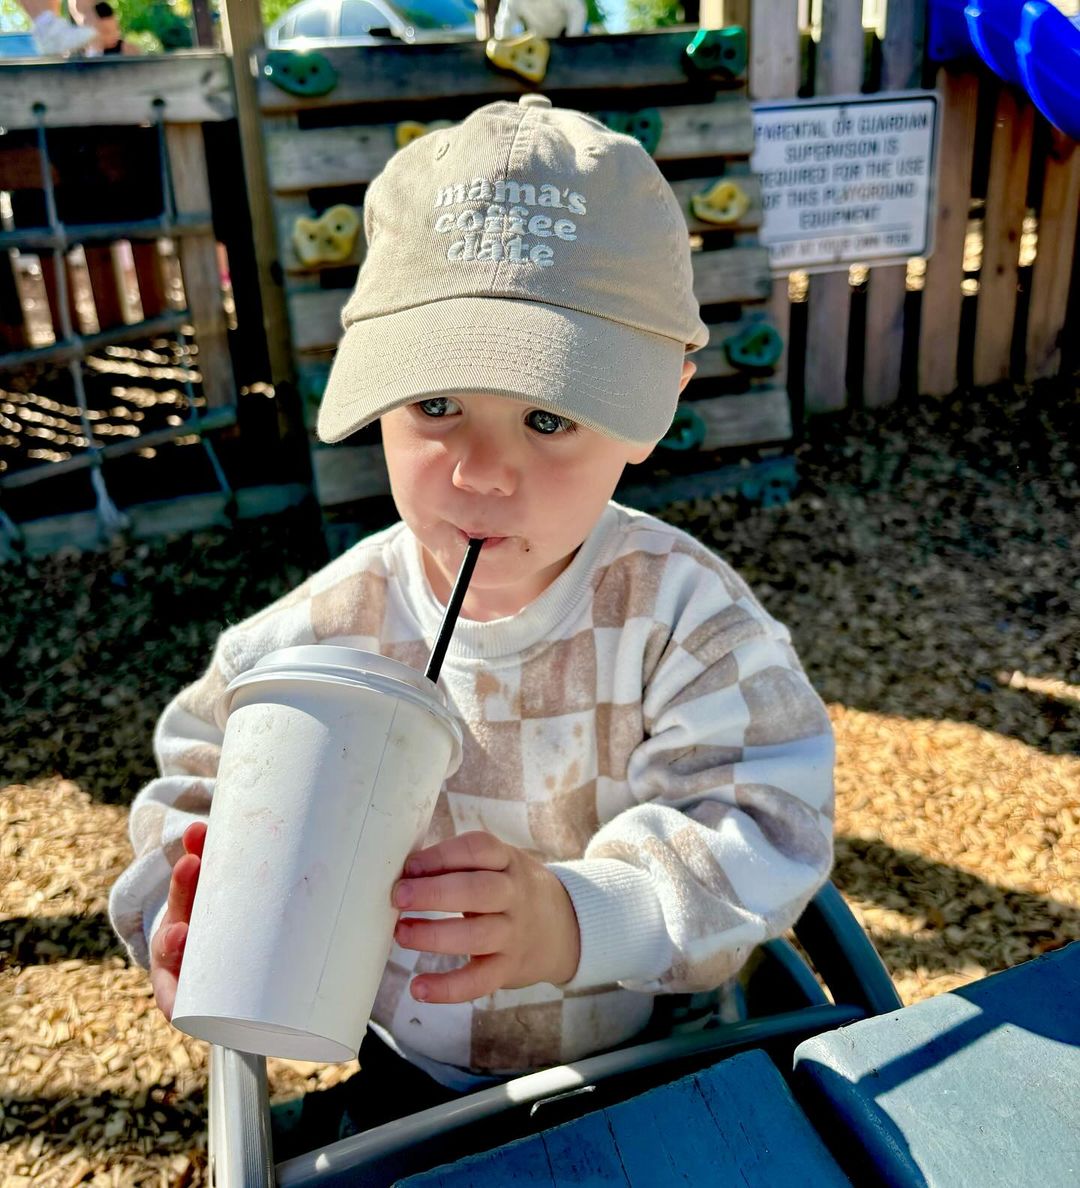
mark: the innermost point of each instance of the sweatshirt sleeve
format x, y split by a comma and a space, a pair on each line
732, 831
187, 746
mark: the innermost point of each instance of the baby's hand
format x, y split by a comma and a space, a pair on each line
518, 924
167, 945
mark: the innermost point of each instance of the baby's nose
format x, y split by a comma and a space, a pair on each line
484, 469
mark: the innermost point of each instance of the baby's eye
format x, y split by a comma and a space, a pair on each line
437, 406
548, 422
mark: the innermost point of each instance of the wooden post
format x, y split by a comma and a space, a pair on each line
204, 23
152, 287
885, 301
1052, 271
105, 284
839, 72
199, 264
1006, 204
774, 74
942, 296
12, 326
242, 31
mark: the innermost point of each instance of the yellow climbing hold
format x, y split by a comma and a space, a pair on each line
526, 55
409, 130
329, 239
725, 203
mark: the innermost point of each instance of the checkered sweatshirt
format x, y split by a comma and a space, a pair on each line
644, 726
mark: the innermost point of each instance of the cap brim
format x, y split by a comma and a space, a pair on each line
600, 373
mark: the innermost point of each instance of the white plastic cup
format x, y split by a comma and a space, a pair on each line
331, 764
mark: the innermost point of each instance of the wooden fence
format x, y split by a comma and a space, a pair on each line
994, 299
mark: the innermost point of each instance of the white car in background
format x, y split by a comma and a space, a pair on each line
368, 22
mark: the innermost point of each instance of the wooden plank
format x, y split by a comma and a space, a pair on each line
344, 473
733, 275
188, 513
838, 72
775, 53
1055, 252
153, 290
13, 331
1006, 199
242, 30
315, 317
942, 297
199, 265
839, 65
437, 72
774, 49
751, 418
298, 161
748, 1088
105, 282
901, 63
737, 274
196, 88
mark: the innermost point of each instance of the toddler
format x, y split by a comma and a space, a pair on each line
646, 788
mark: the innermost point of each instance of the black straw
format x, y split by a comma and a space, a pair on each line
453, 608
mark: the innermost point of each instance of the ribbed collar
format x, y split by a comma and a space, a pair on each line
544, 618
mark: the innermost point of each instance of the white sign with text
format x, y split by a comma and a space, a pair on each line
848, 180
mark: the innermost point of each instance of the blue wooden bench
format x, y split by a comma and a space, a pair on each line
980, 1086
735, 1123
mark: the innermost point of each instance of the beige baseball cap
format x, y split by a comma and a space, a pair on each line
528, 252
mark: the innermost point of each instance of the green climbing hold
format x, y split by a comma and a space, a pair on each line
718, 51
305, 74
687, 431
757, 348
645, 126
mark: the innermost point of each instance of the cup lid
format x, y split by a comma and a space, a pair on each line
336, 664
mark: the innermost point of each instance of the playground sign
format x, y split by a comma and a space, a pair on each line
848, 180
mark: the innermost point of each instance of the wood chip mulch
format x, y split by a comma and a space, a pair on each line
928, 569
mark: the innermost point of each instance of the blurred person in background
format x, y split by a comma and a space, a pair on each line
53, 34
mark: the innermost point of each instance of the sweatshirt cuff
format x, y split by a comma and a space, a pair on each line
623, 937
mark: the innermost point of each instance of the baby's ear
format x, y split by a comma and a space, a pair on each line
689, 368
638, 453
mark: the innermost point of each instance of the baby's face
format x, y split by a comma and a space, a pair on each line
531, 483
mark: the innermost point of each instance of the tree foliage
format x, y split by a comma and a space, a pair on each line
652, 14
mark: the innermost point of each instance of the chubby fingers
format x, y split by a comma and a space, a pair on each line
474, 935
195, 838
185, 878
482, 975
480, 891
476, 850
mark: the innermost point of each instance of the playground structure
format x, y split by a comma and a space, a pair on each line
1028, 43
990, 303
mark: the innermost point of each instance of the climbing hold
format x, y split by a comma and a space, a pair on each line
645, 126
526, 56
718, 52
757, 348
304, 74
725, 203
687, 430
329, 239
771, 483
409, 130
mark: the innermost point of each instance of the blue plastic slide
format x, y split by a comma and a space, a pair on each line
1031, 44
